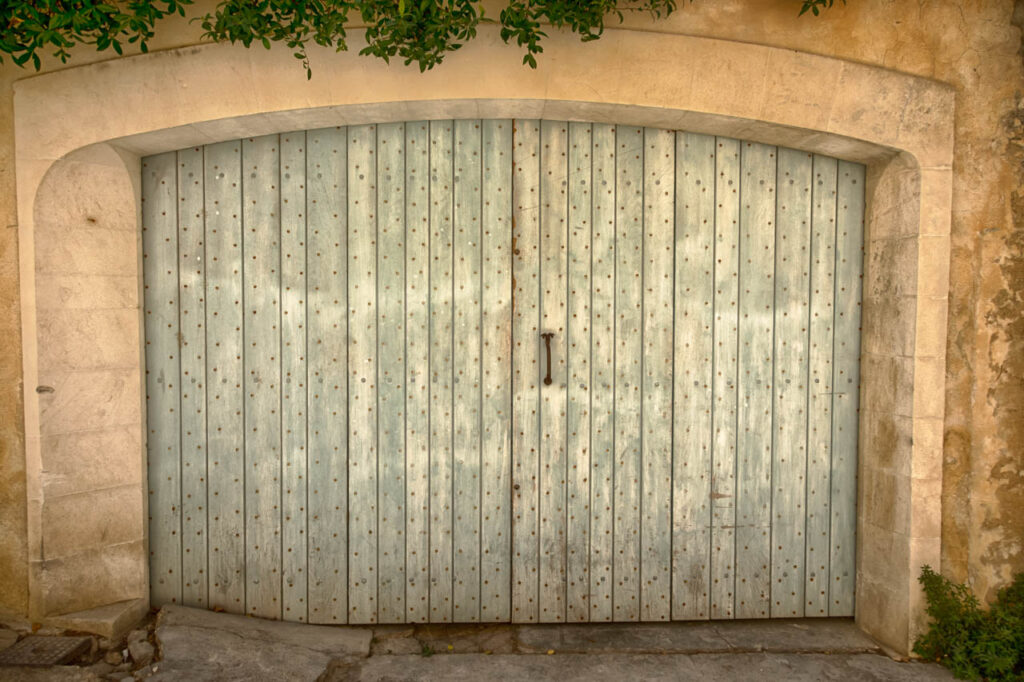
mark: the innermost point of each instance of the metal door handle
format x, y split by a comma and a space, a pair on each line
547, 344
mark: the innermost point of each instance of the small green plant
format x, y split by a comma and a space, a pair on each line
426, 651
973, 643
815, 6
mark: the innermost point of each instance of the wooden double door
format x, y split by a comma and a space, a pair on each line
502, 371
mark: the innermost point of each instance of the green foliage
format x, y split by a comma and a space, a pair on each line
974, 644
34, 26
420, 32
522, 19
815, 6
417, 31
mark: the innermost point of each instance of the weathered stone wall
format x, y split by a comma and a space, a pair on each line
971, 45
13, 527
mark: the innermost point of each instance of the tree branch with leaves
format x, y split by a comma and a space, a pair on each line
420, 32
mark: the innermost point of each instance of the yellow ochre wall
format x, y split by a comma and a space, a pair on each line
971, 46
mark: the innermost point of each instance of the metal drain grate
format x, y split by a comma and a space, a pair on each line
36, 650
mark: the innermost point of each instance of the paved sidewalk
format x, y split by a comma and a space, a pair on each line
619, 667
200, 646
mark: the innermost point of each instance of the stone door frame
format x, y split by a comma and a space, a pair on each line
80, 134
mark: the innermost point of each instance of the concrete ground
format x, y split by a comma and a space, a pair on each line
196, 646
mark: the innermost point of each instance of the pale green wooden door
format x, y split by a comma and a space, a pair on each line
348, 419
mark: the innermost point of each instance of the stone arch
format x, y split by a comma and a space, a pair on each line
78, 158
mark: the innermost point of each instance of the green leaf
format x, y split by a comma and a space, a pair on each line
416, 31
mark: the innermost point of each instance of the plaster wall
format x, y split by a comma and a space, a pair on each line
972, 47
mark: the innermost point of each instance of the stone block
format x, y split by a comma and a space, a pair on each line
338, 640
933, 267
890, 269
202, 645
887, 325
108, 202
888, 384
926, 510
888, 440
7, 638
936, 202
93, 400
91, 519
929, 386
930, 339
738, 87
789, 71
141, 652
883, 613
893, 196
90, 460
87, 292
88, 339
87, 252
926, 123
109, 621
886, 508
928, 435
96, 577
867, 104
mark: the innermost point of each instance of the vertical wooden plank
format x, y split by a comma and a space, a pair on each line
526, 370
224, 395
656, 495
748, 318
693, 376
789, 445
261, 353
628, 371
293, 377
846, 380
441, 380
192, 302
725, 381
466, 356
754, 436
578, 371
327, 362
602, 422
163, 397
362, 368
819, 403
417, 379
391, 371
496, 368
553, 267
